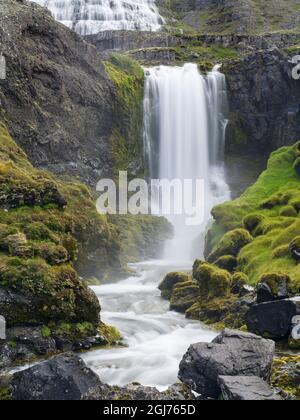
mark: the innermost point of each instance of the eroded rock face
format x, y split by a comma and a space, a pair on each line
57, 100
246, 388
64, 377
232, 353
263, 100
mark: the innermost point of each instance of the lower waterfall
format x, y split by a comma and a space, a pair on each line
184, 138
184, 132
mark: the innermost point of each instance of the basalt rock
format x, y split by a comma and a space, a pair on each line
273, 287
64, 377
272, 319
246, 388
232, 353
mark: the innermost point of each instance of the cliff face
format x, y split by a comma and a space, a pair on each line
57, 101
264, 102
234, 16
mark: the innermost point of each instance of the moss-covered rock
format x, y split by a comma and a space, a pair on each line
273, 286
297, 166
213, 281
231, 244
238, 283
286, 375
171, 279
288, 211
252, 221
280, 252
228, 263
184, 295
126, 139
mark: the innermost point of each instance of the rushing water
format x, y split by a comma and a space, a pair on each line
156, 337
92, 16
184, 136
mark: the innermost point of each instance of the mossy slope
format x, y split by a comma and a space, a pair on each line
268, 214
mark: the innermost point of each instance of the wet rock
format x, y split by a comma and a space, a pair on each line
273, 287
232, 353
64, 377
246, 388
272, 319
184, 296
25, 343
170, 280
138, 392
294, 248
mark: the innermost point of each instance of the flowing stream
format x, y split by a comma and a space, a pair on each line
93, 16
156, 337
184, 132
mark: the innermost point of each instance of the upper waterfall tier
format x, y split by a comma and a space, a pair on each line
88, 17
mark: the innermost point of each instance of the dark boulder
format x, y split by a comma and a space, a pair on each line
232, 353
246, 388
273, 287
25, 344
272, 319
64, 378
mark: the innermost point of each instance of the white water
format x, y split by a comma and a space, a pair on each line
88, 17
156, 337
184, 135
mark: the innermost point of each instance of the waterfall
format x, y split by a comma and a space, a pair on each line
92, 16
184, 137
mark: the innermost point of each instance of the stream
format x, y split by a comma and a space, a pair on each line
156, 337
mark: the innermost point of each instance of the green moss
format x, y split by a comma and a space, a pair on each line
111, 334
228, 262
252, 221
170, 280
269, 211
46, 332
280, 252
284, 375
239, 280
5, 394
184, 295
231, 244
213, 282
275, 281
288, 211
126, 140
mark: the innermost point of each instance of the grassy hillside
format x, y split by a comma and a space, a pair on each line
269, 212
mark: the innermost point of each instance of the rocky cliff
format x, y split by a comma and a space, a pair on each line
58, 100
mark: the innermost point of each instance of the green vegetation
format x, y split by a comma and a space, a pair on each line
262, 226
285, 375
126, 141
213, 281
170, 281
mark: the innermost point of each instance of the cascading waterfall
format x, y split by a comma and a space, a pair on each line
88, 17
184, 136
